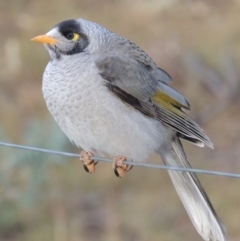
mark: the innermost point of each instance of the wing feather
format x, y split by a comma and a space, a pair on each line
136, 84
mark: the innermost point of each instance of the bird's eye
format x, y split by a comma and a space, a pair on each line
72, 36
69, 36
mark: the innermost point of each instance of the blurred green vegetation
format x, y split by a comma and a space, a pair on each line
45, 197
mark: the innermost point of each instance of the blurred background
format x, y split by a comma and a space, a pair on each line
51, 198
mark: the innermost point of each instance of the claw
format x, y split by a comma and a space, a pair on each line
120, 167
88, 163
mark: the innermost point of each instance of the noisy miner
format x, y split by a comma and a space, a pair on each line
111, 99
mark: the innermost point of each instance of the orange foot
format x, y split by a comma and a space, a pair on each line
120, 167
88, 163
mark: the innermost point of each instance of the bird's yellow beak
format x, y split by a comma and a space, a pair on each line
44, 39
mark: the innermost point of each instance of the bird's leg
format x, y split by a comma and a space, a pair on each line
88, 163
120, 167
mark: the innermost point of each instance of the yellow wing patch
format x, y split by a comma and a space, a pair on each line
160, 97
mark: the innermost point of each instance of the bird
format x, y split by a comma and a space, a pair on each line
110, 98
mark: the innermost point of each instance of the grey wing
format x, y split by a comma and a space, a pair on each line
145, 60
128, 75
138, 85
138, 76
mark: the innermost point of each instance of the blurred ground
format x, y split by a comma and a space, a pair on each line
45, 197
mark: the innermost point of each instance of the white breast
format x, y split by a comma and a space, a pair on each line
94, 118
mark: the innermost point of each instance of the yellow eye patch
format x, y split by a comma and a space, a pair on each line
76, 36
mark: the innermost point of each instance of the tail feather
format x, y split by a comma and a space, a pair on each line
193, 196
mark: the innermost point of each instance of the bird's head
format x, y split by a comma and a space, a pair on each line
72, 37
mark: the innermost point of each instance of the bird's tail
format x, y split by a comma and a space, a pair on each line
192, 195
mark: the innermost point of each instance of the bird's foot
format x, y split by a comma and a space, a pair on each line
120, 167
88, 163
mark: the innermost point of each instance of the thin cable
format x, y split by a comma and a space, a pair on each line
172, 168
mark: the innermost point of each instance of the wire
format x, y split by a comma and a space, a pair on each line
164, 167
